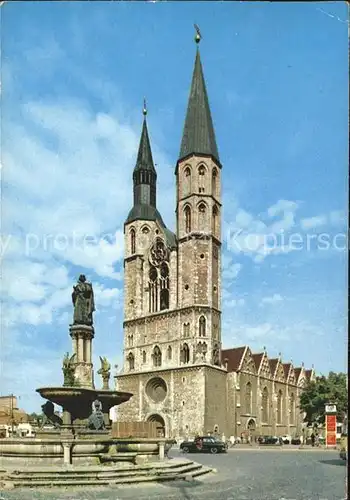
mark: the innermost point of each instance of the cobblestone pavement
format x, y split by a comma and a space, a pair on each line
241, 475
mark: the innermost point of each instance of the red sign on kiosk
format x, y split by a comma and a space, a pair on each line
331, 425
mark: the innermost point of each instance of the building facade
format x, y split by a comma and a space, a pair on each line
174, 363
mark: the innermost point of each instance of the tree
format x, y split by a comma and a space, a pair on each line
331, 389
36, 418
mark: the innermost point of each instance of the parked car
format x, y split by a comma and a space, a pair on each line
296, 441
204, 444
286, 439
268, 440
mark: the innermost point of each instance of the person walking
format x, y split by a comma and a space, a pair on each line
312, 439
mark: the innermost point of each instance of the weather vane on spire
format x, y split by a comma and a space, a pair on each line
198, 36
144, 111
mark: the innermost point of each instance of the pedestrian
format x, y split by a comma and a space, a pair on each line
312, 439
317, 439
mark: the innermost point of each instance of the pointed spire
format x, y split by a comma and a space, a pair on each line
198, 134
144, 157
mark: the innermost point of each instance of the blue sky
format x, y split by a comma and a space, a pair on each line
73, 80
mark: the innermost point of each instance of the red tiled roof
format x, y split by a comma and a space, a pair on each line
308, 374
286, 368
233, 356
273, 364
297, 372
257, 359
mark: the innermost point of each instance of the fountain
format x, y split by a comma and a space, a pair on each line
80, 449
78, 393
83, 434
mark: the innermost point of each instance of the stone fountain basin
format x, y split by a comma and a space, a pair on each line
45, 448
78, 400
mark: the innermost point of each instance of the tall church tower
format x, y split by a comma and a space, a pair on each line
198, 211
172, 286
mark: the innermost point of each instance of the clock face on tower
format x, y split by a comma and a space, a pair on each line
158, 252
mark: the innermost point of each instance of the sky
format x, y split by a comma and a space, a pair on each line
74, 76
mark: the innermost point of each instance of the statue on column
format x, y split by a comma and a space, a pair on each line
68, 369
105, 372
83, 302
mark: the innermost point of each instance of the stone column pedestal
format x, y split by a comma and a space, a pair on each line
67, 452
82, 336
161, 451
67, 437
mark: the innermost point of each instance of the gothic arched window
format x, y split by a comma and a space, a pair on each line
202, 326
187, 219
187, 181
292, 409
164, 287
170, 353
164, 299
248, 398
186, 330
265, 406
157, 356
201, 216
153, 289
144, 357
201, 178
279, 407
215, 220
214, 177
131, 361
153, 274
132, 241
185, 353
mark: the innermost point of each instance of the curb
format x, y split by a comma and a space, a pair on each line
280, 448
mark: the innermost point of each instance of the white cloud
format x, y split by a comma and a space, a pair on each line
30, 281
253, 237
337, 217
107, 297
276, 297
334, 218
313, 222
282, 206
253, 332
231, 270
244, 219
234, 303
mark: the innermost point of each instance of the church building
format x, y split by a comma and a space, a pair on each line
173, 359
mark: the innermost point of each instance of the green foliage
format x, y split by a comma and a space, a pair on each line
36, 418
317, 393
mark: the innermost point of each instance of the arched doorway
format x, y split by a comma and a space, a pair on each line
160, 424
251, 428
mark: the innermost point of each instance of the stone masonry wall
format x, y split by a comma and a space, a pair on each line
183, 407
216, 400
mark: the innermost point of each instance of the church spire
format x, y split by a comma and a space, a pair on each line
144, 157
198, 135
144, 180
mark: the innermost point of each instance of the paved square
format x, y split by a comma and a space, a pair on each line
241, 475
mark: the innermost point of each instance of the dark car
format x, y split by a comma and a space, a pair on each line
205, 444
296, 441
268, 440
